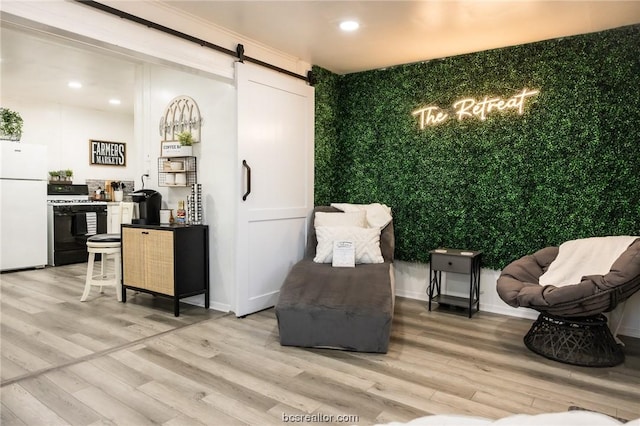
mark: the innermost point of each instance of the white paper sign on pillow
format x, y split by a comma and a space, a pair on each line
366, 240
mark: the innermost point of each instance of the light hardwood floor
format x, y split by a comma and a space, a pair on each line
105, 362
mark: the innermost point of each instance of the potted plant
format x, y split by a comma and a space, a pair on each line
54, 175
185, 138
186, 142
10, 125
68, 173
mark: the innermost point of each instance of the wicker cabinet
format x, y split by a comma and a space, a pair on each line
166, 261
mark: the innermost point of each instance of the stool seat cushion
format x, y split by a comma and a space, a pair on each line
104, 238
103, 241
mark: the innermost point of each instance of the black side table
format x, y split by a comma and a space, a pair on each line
458, 261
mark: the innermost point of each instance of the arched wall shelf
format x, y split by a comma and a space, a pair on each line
182, 114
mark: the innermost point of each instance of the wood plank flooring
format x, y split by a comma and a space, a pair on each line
103, 362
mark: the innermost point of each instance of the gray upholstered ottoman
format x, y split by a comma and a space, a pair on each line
344, 308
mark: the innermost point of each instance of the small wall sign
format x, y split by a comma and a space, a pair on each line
106, 153
472, 108
175, 149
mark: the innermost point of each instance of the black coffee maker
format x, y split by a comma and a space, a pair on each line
149, 202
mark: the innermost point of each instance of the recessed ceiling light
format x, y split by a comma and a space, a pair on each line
75, 84
349, 25
114, 101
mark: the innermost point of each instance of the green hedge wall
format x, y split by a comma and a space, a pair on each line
326, 134
568, 168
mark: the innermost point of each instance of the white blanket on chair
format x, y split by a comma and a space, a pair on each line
378, 215
586, 256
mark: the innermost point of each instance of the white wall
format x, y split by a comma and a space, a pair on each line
411, 281
216, 160
66, 131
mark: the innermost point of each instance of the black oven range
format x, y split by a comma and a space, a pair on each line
72, 217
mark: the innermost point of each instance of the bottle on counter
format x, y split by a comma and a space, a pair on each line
181, 213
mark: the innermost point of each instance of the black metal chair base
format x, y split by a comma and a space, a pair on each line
578, 341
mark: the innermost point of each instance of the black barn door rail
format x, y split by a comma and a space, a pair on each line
238, 53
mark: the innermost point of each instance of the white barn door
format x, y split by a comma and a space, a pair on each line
275, 168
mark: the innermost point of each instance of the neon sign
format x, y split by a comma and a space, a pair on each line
469, 107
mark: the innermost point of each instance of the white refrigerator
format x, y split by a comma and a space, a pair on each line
23, 205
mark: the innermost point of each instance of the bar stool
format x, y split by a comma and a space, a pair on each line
108, 246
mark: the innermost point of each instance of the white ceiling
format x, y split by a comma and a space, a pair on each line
400, 32
38, 68
391, 33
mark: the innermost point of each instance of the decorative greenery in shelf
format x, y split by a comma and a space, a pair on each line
54, 175
10, 124
185, 138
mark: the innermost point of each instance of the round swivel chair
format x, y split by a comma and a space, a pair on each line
571, 327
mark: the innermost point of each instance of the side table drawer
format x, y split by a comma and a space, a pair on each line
449, 263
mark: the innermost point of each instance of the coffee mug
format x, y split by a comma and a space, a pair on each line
165, 216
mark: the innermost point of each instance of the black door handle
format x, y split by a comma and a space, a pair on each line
246, 194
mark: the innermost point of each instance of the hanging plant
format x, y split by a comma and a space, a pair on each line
10, 124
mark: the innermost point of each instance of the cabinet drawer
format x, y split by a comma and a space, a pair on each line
449, 263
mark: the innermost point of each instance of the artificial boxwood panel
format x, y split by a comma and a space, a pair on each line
326, 133
568, 168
